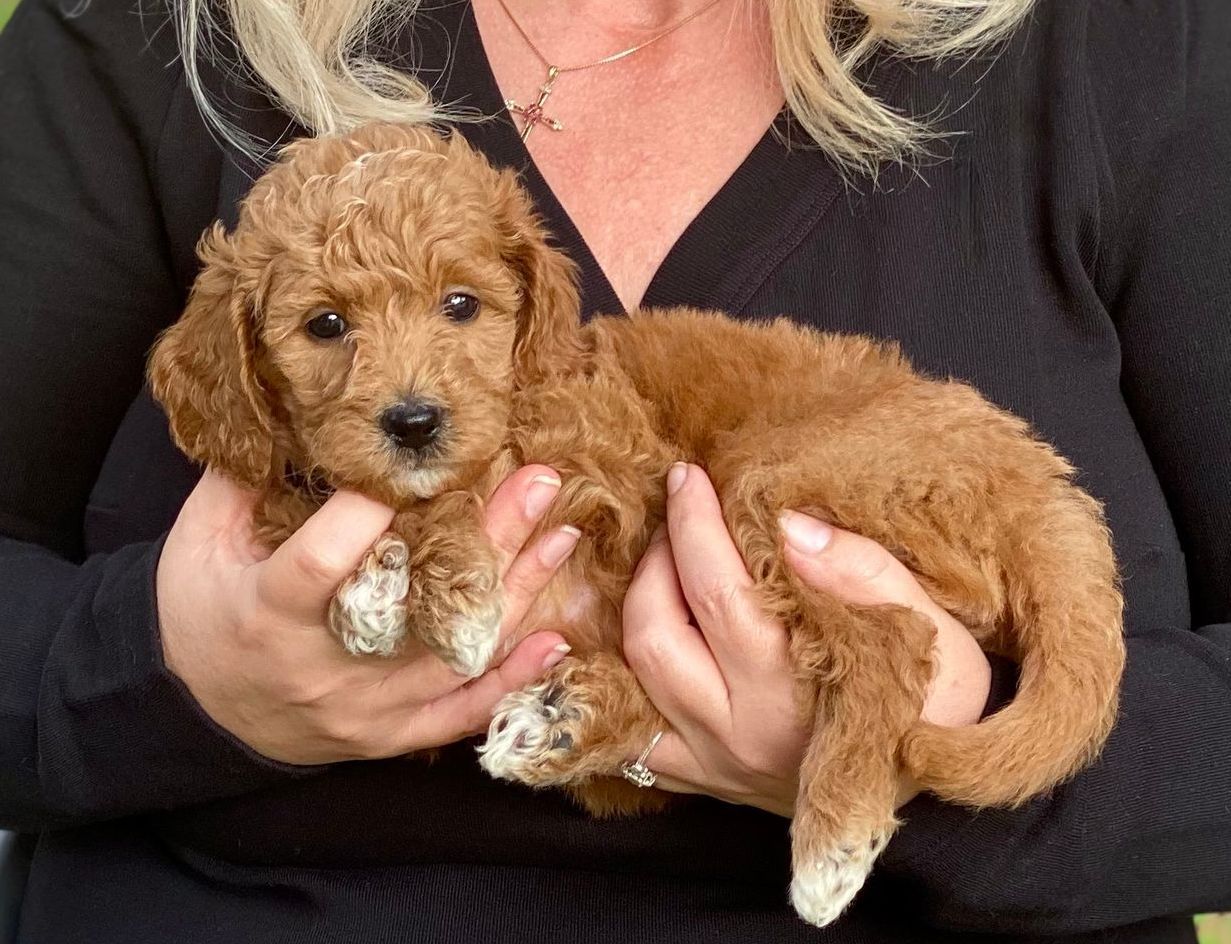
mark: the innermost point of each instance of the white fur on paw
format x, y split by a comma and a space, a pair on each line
822, 888
369, 610
524, 731
473, 640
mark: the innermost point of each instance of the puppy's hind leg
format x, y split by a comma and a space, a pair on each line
845, 812
861, 675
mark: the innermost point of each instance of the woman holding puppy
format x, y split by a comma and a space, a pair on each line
1047, 221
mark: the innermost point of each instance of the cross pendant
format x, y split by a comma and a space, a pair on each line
533, 115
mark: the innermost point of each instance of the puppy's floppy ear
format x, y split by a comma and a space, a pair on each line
548, 341
203, 371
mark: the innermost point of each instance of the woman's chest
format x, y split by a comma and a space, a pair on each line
631, 203
633, 148
633, 186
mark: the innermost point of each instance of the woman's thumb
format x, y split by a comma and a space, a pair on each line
852, 568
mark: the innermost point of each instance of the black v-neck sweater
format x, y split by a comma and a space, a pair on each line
1069, 254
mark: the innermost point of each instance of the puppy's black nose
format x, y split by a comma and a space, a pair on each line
412, 424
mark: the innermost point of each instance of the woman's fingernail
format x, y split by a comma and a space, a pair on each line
556, 656
676, 477
804, 533
539, 496
558, 545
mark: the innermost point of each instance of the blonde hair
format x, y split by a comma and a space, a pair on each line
310, 56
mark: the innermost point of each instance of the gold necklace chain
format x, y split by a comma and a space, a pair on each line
533, 115
623, 53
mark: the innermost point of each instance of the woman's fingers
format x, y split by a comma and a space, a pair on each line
304, 572
531, 571
513, 512
675, 765
859, 570
516, 507
680, 769
468, 709
715, 581
853, 568
669, 656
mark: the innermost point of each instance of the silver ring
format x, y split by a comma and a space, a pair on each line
637, 772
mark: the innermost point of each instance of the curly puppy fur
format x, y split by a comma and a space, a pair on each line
380, 226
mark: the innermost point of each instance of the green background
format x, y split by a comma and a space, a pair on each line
1213, 929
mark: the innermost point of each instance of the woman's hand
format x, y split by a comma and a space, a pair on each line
245, 629
719, 671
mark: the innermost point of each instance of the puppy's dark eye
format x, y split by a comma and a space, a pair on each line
327, 326
459, 306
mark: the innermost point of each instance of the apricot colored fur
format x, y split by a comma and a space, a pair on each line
381, 223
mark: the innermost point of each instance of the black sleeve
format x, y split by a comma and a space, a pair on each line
92, 724
1146, 831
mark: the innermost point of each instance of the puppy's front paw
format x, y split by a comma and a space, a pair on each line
472, 636
456, 607
825, 883
536, 734
368, 612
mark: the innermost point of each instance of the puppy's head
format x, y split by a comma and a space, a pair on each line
368, 321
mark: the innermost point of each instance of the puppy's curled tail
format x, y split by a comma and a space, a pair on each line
1067, 628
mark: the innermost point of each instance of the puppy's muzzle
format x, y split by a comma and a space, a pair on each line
413, 424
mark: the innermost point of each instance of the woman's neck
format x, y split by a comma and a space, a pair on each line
632, 21
647, 140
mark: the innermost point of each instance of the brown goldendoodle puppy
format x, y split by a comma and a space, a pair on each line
388, 317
